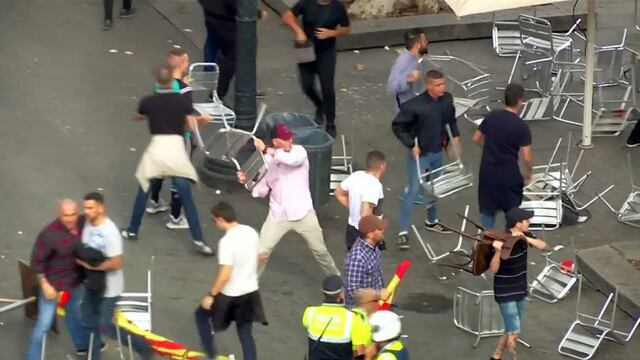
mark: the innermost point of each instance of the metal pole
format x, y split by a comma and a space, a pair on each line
17, 304
246, 44
588, 80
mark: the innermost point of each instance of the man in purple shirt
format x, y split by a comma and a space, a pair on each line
404, 81
290, 207
54, 264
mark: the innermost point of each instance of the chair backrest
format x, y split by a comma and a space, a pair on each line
203, 76
535, 31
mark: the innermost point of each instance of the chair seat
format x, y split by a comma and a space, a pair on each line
560, 42
217, 111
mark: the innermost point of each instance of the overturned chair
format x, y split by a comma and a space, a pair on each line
458, 251
629, 212
231, 150
587, 332
554, 281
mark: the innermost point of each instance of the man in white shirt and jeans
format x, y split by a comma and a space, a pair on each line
102, 234
234, 294
362, 193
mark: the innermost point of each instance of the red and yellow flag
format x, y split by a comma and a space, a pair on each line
393, 284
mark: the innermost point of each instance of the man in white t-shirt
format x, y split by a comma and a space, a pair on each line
100, 233
234, 294
362, 193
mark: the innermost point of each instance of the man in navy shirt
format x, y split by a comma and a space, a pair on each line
510, 279
502, 135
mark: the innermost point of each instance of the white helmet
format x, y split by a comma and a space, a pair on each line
385, 325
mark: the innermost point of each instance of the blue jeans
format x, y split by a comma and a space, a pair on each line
512, 314
98, 318
183, 186
211, 49
205, 330
429, 161
46, 314
488, 220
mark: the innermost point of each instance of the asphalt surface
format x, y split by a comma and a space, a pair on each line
67, 106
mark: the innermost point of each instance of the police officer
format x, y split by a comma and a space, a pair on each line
386, 328
334, 331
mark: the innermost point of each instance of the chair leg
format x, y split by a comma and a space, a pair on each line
44, 347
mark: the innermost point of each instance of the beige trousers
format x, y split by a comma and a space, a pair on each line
309, 228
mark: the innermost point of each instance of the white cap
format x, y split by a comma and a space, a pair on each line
385, 325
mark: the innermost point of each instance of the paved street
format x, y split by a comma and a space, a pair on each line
67, 104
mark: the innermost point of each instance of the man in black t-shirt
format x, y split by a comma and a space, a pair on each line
322, 22
503, 134
167, 113
510, 285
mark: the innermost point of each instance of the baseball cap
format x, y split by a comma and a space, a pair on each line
332, 285
281, 131
516, 215
371, 223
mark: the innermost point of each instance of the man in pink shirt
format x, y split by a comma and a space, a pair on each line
290, 207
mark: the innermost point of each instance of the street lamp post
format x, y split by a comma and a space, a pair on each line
245, 86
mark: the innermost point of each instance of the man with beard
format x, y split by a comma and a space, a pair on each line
404, 81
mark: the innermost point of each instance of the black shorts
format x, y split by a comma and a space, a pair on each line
352, 234
493, 197
241, 309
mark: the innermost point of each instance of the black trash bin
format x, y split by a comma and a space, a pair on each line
295, 121
318, 145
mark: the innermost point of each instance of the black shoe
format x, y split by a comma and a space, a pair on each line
128, 235
319, 119
633, 143
124, 13
260, 94
403, 240
107, 25
103, 347
436, 228
331, 130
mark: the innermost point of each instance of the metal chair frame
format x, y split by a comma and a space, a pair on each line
595, 329
227, 142
471, 83
446, 180
202, 80
487, 322
553, 283
434, 257
341, 167
629, 212
138, 312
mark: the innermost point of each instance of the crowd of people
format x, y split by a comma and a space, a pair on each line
83, 254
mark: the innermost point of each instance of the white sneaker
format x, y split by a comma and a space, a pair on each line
179, 223
157, 207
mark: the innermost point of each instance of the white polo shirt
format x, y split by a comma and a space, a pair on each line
239, 248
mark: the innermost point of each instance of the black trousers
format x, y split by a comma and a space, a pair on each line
634, 137
325, 68
108, 8
351, 236
224, 34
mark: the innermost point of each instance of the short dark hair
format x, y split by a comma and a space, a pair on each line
375, 159
225, 211
163, 76
513, 93
177, 52
95, 196
434, 75
332, 298
412, 37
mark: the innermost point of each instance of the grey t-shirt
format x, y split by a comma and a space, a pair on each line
107, 239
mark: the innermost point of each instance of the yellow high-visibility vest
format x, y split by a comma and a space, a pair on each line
342, 325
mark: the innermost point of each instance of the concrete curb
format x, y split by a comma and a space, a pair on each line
440, 27
606, 267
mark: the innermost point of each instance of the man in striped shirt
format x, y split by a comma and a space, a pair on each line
510, 280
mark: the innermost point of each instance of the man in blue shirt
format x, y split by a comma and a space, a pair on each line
362, 267
407, 72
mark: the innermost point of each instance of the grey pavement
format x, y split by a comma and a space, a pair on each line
67, 106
